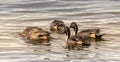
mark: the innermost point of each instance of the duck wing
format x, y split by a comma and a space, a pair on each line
90, 31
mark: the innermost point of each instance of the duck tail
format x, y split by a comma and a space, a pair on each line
100, 35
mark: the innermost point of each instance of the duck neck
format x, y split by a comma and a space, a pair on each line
76, 29
68, 33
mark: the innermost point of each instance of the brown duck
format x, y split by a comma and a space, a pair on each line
93, 33
35, 34
73, 42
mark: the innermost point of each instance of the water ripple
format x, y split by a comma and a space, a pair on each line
15, 15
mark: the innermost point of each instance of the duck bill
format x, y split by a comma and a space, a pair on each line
55, 27
23, 35
71, 27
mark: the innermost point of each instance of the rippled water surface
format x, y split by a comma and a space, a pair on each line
15, 15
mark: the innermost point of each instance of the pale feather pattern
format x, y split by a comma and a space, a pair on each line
72, 32
66, 38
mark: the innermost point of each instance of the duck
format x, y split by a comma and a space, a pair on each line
35, 35
93, 33
73, 42
57, 26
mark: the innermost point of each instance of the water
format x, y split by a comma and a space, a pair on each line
15, 15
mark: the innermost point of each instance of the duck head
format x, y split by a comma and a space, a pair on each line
74, 26
61, 28
57, 26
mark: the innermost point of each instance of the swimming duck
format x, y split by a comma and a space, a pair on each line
73, 41
93, 33
35, 34
57, 26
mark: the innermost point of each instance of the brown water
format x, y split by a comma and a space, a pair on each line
15, 15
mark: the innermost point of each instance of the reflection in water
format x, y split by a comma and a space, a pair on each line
15, 15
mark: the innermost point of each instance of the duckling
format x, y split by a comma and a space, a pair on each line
28, 29
73, 41
35, 35
93, 33
57, 26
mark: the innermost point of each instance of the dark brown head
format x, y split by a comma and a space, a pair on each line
74, 26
